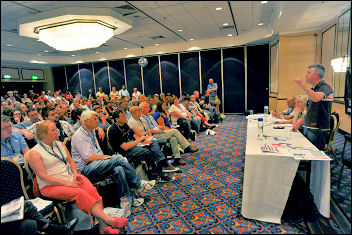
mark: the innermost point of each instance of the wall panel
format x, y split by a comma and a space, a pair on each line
117, 77
101, 77
73, 78
234, 80
151, 76
133, 75
170, 74
86, 75
189, 72
59, 78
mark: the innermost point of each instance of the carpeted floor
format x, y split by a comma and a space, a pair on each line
206, 197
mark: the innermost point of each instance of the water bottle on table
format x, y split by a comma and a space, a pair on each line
260, 129
126, 207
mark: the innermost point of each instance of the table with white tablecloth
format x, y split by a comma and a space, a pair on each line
268, 177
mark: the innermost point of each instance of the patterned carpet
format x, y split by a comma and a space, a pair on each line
341, 196
207, 196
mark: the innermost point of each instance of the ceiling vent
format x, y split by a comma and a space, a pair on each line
126, 10
226, 27
156, 37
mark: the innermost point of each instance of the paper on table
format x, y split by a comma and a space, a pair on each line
309, 155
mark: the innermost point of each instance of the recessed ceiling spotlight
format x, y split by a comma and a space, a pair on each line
230, 35
260, 24
156, 44
97, 52
46, 51
125, 48
73, 55
225, 24
263, 2
38, 40
39, 54
218, 8
180, 30
9, 45
191, 39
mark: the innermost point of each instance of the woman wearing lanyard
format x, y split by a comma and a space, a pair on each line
58, 178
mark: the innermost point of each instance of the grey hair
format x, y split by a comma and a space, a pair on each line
5, 118
318, 68
87, 114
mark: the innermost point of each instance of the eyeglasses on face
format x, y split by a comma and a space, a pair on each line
6, 127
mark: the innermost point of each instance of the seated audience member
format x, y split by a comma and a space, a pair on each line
76, 116
136, 93
135, 148
13, 144
201, 121
91, 94
25, 99
161, 116
173, 136
32, 96
100, 92
64, 128
56, 99
123, 92
104, 122
200, 113
58, 178
33, 116
49, 95
91, 161
109, 109
33, 223
123, 104
23, 108
42, 97
300, 111
17, 97
180, 117
287, 113
16, 116
11, 99
78, 94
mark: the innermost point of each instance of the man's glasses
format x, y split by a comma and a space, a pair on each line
6, 127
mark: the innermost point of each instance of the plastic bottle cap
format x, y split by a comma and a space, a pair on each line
125, 199
260, 119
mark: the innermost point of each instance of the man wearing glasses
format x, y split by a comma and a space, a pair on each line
13, 144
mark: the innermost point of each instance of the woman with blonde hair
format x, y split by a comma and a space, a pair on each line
58, 178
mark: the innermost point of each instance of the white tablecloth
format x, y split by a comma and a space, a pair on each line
268, 177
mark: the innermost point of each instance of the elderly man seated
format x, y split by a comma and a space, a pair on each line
173, 136
287, 113
13, 144
136, 148
96, 166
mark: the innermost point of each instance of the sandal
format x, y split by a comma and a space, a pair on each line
119, 222
109, 230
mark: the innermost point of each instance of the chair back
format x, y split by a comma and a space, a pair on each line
334, 127
12, 184
67, 143
111, 150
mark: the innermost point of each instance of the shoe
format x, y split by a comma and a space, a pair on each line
166, 178
137, 202
170, 168
146, 185
119, 222
109, 230
212, 127
179, 162
190, 149
62, 229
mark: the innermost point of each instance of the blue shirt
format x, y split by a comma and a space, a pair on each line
23, 125
212, 86
12, 147
150, 121
156, 115
83, 145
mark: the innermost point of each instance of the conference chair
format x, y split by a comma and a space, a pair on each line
334, 127
12, 187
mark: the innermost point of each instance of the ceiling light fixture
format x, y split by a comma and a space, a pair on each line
230, 35
74, 28
125, 48
9, 45
339, 64
142, 61
225, 24
156, 44
218, 8
263, 2
73, 55
97, 52
180, 30
191, 39
46, 51
260, 24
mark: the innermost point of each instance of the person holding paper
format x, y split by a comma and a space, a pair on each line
316, 124
33, 222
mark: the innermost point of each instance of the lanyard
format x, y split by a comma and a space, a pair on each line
150, 122
85, 131
141, 123
62, 158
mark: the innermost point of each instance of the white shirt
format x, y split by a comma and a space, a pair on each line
181, 110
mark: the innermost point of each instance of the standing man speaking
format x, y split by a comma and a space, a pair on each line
317, 121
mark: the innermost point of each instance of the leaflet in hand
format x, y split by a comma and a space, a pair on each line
13, 210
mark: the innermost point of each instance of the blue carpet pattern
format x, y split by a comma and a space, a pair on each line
206, 197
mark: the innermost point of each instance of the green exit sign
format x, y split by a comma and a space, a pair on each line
34, 77
6, 76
